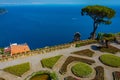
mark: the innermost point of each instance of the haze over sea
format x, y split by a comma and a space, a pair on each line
48, 25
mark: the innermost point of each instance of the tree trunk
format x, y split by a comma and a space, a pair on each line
93, 34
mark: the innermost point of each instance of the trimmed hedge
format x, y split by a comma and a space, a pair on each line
19, 69
110, 60
51, 75
81, 70
50, 62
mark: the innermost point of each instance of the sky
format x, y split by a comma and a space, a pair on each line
111, 2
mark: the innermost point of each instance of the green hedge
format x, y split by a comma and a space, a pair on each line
50, 62
19, 69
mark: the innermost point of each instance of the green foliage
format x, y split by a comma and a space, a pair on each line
50, 62
110, 60
97, 10
19, 69
81, 70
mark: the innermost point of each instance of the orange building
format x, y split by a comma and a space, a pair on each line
18, 48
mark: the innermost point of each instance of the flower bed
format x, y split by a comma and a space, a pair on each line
70, 59
116, 75
81, 70
19, 69
50, 62
110, 49
99, 73
85, 52
110, 60
42, 75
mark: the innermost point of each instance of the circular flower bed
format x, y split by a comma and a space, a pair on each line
42, 75
81, 69
110, 60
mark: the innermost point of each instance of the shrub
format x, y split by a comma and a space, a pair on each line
19, 69
110, 60
50, 62
81, 70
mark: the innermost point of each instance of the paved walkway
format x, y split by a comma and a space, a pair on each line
36, 65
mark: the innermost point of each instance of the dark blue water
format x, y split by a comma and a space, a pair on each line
47, 25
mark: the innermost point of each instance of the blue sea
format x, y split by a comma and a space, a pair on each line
48, 25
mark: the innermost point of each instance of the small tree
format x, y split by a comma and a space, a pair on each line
99, 14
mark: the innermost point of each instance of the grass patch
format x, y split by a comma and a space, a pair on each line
50, 62
19, 69
70, 59
110, 49
81, 69
85, 52
110, 60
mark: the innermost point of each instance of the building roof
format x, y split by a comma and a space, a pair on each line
19, 48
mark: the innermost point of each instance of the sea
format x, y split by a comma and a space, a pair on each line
49, 25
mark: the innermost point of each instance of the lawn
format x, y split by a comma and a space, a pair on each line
19, 69
81, 69
110, 60
85, 52
50, 62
